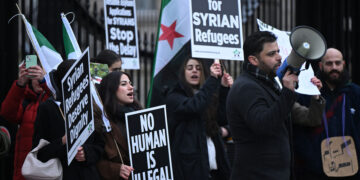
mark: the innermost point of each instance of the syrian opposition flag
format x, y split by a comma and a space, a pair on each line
73, 51
47, 54
173, 34
72, 48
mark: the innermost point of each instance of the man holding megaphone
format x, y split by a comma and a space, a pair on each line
259, 113
308, 45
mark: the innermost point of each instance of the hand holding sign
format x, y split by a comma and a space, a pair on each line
215, 70
227, 80
80, 155
63, 140
125, 171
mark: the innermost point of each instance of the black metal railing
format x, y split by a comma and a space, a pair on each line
338, 21
89, 29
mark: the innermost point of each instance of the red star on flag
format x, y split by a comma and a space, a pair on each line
169, 34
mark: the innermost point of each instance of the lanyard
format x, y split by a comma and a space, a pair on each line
342, 123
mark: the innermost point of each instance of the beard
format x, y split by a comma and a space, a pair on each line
270, 71
343, 77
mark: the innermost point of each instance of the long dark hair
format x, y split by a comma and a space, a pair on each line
210, 114
189, 89
108, 87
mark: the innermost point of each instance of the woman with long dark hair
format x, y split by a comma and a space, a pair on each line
196, 109
117, 94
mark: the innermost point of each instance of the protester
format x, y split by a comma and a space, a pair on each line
196, 109
5, 146
117, 94
50, 125
7, 162
342, 119
20, 107
259, 113
5, 141
110, 58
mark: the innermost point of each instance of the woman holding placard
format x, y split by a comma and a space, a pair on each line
50, 126
117, 94
196, 109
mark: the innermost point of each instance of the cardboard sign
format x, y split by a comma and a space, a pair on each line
149, 147
339, 157
77, 103
121, 31
216, 29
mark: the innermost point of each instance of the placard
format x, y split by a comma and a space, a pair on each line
77, 105
338, 155
149, 147
121, 31
216, 29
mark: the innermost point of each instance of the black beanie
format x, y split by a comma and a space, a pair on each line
106, 56
59, 74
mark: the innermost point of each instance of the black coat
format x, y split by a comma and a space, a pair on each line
50, 125
187, 132
259, 122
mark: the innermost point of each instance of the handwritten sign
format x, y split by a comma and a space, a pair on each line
339, 156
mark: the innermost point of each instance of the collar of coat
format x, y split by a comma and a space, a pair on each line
262, 76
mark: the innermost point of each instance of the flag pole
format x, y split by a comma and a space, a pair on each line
27, 31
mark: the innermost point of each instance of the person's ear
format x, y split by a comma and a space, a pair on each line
253, 60
343, 62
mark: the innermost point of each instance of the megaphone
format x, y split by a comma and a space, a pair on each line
308, 44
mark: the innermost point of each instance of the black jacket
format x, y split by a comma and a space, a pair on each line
261, 128
187, 132
50, 125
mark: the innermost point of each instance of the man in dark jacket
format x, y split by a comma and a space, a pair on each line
258, 112
341, 119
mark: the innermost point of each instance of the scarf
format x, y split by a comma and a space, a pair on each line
262, 76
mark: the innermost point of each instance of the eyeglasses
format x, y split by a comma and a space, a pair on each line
190, 67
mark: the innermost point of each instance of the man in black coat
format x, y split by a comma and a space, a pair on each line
259, 113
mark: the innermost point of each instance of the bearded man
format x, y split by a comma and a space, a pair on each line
332, 149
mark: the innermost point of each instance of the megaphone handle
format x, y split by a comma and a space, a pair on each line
292, 71
307, 64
